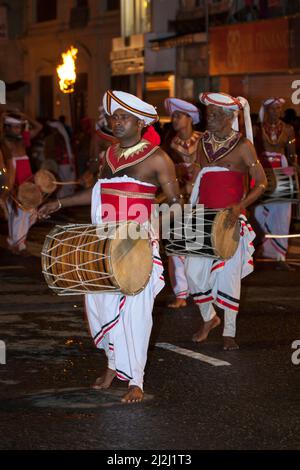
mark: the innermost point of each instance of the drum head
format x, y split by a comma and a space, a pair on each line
224, 239
29, 195
45, 180
131, 258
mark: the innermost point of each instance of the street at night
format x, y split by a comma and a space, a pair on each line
196, 396
149, 232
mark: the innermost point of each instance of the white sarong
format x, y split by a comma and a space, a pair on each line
217, 281
275, 218
121, 324
177, 276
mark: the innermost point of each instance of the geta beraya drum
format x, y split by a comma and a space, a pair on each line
110, 257
204, 232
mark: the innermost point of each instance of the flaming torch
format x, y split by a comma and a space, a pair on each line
67, 77
66, 71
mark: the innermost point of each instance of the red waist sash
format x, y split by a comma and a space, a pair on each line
271, 161
219, 189
126, 201
23, 169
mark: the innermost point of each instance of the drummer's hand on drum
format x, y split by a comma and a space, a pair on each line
46, 209
233, 214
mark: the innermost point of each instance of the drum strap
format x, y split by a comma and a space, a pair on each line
118, 192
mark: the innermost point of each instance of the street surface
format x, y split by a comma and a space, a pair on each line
196, 396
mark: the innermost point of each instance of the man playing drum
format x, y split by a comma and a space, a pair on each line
132, 171
19, 220
226, 158
183, 151
275, 144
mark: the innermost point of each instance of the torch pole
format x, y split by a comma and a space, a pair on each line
74, 127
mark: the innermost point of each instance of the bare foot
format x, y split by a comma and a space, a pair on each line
178, 303
229, 344
202, 334
134, 395
284, 266
105, 380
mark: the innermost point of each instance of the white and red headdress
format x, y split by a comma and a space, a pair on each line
269, 102
232, 103
176, 104
113, 100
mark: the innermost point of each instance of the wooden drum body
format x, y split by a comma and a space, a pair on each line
205, 233
114, 257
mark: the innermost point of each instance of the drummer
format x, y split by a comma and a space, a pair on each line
19, 221
226, 158
133, 170
183, 151
275, 143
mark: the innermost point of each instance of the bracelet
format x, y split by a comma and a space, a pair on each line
170, 182
177, 198
257, 162
261, 185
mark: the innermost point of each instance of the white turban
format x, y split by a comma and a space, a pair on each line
176, 104
234, 104
269, 102
113, 100
13, 121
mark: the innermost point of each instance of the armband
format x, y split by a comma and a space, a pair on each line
257, 162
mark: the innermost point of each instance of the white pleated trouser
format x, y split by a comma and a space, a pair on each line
177, 275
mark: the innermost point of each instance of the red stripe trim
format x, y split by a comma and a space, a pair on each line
105, 331
206, 299
130, 108
181, 294
218, 266
222, 302
158, 263
277, 247
121, 377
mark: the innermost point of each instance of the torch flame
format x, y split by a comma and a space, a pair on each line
66, 71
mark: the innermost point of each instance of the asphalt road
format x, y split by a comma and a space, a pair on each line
197, 396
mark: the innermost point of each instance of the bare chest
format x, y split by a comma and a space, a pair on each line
233, 161
142, 171
17, 149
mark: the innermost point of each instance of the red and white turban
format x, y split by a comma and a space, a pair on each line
233, 104
269, 102
220, 99
113, 100
176, 104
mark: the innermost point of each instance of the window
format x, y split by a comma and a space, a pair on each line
46, 11
136, 17
46, 96
113, 5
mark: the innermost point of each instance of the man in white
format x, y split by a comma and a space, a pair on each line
275, 145
19, 220
183, 151
226, 158
133, 169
